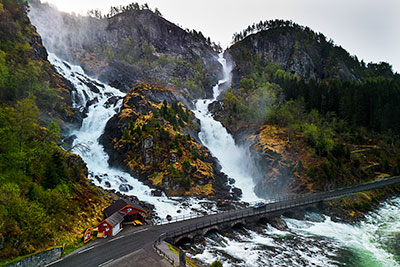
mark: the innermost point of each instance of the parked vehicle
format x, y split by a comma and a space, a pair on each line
259, 205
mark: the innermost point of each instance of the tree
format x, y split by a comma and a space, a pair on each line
216, 264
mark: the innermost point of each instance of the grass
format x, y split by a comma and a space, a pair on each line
175, 251
25, 256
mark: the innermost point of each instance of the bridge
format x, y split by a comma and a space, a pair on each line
107, 252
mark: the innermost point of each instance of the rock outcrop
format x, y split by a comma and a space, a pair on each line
296, 50
131, 46
154, 138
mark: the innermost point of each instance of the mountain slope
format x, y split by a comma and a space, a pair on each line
45, 196
310, 110
131, 44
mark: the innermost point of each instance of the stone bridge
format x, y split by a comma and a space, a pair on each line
198, 227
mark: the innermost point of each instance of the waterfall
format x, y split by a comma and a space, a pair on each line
97, 96
235, 160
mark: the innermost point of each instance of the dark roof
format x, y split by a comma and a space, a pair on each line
116, 218
118, 205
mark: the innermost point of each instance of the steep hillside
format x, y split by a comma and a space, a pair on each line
45, 197
296, 49
317, 117
131, 44
154, 138
24, 68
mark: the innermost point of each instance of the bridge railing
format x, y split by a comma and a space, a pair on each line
277, 204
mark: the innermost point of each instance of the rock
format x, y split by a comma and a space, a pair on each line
97, 178
70, 139
156, 193
148, 143
107, 184
147, 158
278, 223
231, 181
237, 192
122, 179
125, 187
173, 158
169, 217
112, 101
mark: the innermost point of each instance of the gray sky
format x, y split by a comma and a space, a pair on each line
366, 28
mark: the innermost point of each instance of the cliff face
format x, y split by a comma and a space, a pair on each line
154, 138
132, 46
24, 68
296, 50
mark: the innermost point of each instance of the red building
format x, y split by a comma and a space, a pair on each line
131, 211
116, 213
112, 225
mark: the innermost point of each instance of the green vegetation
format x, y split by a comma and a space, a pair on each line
371, 101
43, 189
326, 123
216, 264
41, 185
20, 72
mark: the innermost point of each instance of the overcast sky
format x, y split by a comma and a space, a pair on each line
366, 28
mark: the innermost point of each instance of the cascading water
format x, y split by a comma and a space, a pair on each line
235, 161
316, 241
100, 109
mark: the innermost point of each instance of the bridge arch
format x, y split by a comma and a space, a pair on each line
210, 230
182, 240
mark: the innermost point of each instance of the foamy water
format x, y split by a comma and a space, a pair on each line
92, 152
235, 160
322, 242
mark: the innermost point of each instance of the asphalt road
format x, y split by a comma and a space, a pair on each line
113, 248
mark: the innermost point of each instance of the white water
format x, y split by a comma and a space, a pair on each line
306, 243
321, 242
235, 161
88, 147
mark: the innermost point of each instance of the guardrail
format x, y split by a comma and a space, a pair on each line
277, 205
159, 251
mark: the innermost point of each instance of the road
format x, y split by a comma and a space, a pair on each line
112, 249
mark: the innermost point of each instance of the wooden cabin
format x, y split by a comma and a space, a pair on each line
131, 211
111, 225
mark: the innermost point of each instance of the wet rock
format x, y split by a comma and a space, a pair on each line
173, 158
112, 101
70, 139
169, 217
107, 184
231, 181
122, 179
97, 178
156, 193
125, 187
237, 192
148, 143
147, 158
278, 223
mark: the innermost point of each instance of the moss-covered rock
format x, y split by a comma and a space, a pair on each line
154, 138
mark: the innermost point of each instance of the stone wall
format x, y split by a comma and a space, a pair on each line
40, 259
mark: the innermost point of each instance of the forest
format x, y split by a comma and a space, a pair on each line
43, 188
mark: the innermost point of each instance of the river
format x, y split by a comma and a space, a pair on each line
315, 241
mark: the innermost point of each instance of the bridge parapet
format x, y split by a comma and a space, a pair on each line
199, 223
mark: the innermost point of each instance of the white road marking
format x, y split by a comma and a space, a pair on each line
116, 238
54, 262
86, 249
105, 263
141, 231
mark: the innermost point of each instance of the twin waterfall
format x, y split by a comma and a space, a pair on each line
315, 241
